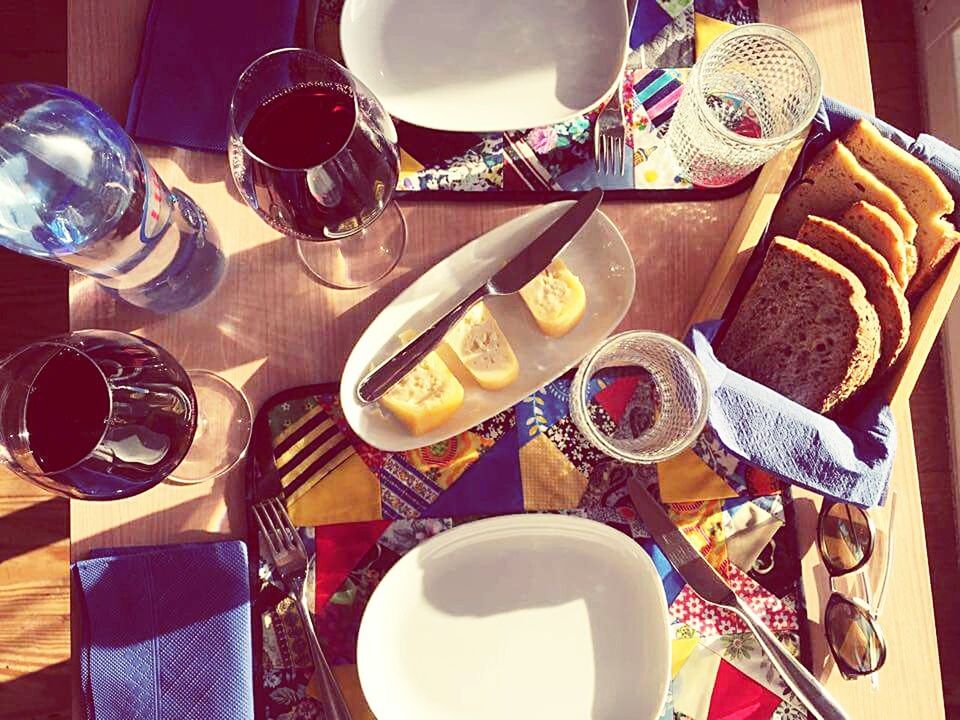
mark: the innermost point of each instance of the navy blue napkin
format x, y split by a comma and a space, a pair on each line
166, 633
193, 51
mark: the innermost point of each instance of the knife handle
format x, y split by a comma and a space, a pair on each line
389, 373
805, 686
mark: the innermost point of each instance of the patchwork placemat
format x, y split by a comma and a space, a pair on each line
665, 38
360, 510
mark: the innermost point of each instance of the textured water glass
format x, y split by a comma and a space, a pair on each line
752, 92
667, 409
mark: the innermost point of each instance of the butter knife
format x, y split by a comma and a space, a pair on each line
516, 272
707, 583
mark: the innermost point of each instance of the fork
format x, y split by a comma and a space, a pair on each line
288, 570
610, 136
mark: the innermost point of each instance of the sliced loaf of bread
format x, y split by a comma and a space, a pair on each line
924, 194
805, 328
878, 230
831, 184
883, 290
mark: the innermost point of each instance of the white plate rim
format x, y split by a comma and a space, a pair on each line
525, 523
426, 123
407, 441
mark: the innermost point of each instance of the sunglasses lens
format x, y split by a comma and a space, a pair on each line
853, 636
845, 538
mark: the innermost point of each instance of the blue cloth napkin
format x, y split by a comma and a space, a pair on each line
192, 54
849, 462
166, 633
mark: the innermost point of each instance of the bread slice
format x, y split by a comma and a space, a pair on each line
924, 194
831, 184
804, 328
426, 397
883, 291
480, 345
878, 230
556, 299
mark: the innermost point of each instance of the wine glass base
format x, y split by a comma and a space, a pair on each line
361, 259
224, 428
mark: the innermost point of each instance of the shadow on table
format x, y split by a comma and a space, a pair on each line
43, 694
34, 526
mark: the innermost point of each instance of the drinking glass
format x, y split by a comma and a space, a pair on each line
315, 154
754, 90
102, 415
667, 409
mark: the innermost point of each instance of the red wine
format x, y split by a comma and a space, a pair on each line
316, 168
301, 128
106, 418
67, 411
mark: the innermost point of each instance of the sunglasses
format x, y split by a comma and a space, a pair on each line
847, 539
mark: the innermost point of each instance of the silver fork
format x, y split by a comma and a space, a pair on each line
288, 569
610, 136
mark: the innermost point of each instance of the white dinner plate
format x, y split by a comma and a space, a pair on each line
522, 616
486, 66
597, 255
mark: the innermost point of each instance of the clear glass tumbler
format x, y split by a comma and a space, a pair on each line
315, 154
753, 91
668, 407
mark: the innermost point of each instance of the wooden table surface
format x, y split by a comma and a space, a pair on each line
270, 327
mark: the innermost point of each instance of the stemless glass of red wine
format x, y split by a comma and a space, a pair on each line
102, 415
315, 154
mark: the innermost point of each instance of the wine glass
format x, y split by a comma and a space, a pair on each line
102, 415
315, 154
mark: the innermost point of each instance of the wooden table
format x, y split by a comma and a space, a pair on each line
270, 327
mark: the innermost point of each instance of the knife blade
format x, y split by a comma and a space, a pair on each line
696, 572
707, 583
510, 278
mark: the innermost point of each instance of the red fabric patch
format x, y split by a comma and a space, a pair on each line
690, 609
615, 396
760, 482
339, 549
739, 697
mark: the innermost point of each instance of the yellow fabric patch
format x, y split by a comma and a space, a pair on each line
702, 525
408, 163
349, 682
706, 29
693, 686
349, 492
294, 426
687, 478
550, 481
680, 650
445, 461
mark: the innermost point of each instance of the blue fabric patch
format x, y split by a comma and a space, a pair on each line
648, 20
491, 486
672, 582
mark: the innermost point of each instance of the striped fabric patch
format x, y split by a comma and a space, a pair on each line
309, 450
658, 91
405, 492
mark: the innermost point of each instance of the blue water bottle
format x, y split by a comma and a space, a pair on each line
76, 190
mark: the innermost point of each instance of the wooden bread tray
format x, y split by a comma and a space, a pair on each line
927, 314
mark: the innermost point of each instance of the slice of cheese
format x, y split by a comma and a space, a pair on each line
556, 299
426, 397
484, 351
